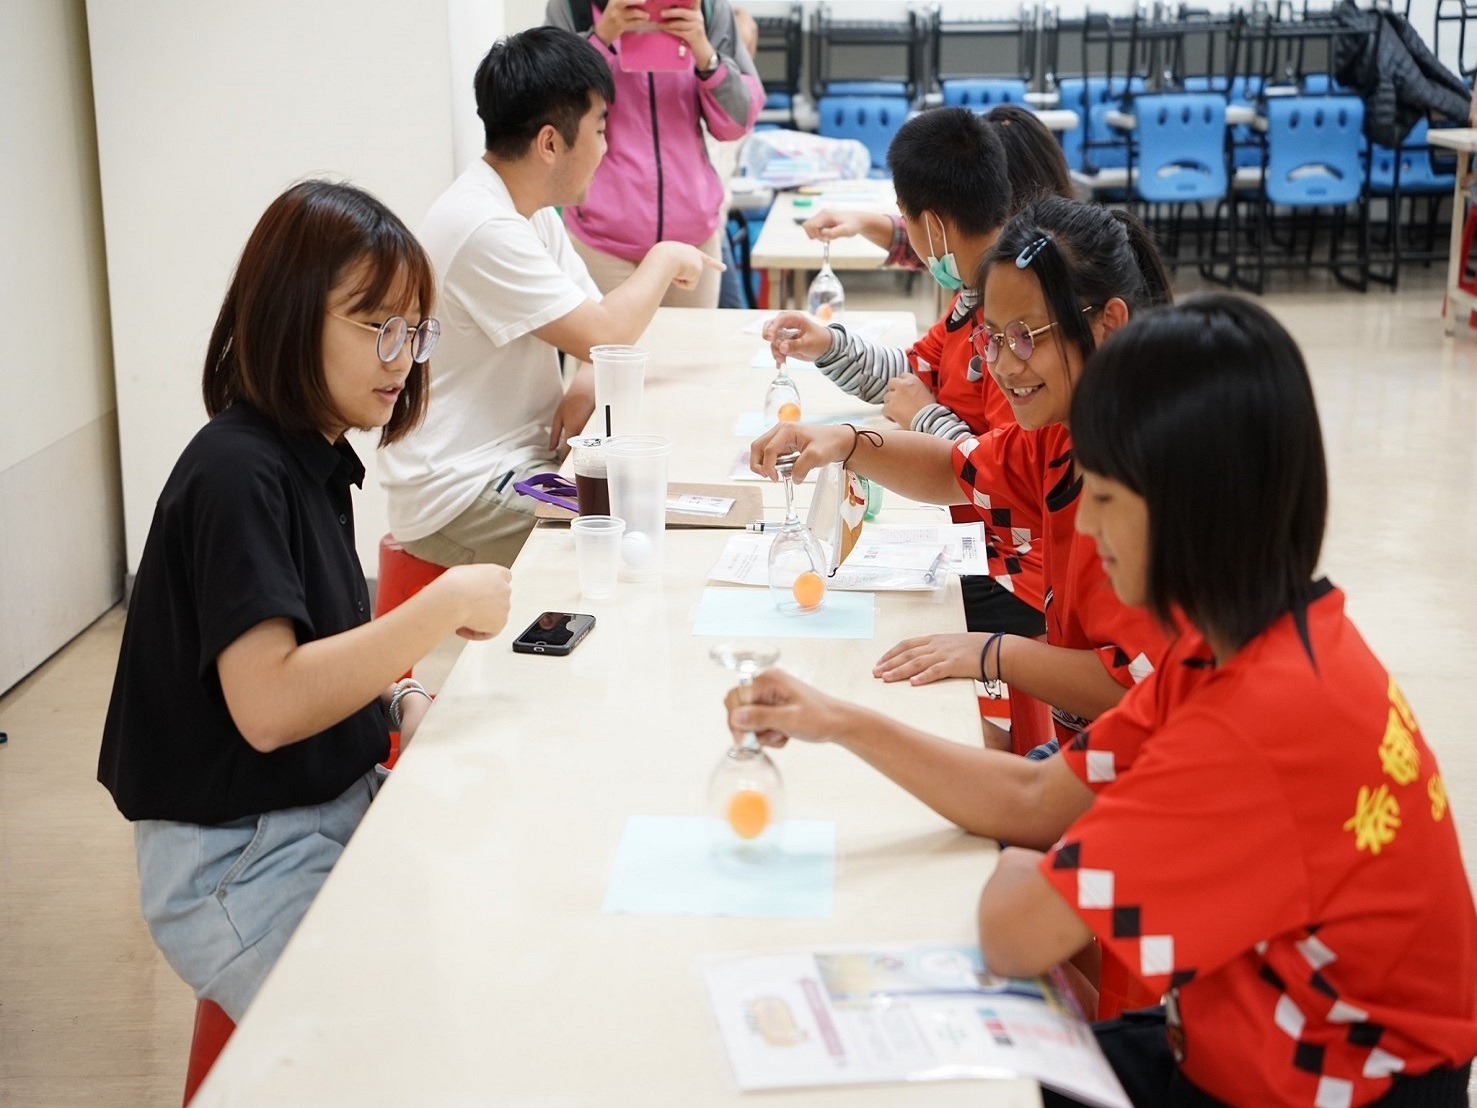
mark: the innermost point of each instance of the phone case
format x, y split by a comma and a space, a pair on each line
655, 51
530, 640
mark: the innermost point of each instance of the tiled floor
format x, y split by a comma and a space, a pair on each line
89, 1013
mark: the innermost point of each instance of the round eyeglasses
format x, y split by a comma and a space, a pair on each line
390, 337
1017, 335
1022, 340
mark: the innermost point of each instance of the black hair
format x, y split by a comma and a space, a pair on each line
267, 344
947, 161
1033, 158
541, 77
1206, 411
1083, 255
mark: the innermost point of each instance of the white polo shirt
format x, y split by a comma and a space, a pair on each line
494, 384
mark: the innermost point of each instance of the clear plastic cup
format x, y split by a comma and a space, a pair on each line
637, 465
620, 373
597, 552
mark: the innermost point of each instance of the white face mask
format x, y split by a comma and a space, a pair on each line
944, 270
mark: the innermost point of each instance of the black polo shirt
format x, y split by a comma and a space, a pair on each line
253, 524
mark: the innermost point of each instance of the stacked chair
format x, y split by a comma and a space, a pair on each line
781, 40
868, 109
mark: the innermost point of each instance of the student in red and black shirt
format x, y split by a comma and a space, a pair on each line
1061, 277
1281, 861
956, 186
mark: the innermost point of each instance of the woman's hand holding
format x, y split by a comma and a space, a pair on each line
619, 17
687, 24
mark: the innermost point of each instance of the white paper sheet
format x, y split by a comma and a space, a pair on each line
899, 1013
888, 558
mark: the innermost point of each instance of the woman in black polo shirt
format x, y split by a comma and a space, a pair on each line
254, 695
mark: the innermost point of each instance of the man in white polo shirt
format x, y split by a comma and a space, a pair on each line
512, 295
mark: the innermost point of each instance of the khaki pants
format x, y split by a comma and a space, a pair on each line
493, 529
608, 272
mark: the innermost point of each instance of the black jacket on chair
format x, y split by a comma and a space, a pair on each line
1395, 73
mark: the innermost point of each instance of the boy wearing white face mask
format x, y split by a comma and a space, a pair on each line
955, 188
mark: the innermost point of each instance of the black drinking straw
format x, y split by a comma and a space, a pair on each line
607, 421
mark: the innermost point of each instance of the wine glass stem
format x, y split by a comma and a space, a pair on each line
750, 740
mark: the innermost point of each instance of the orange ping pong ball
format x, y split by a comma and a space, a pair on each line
809, 590
748, 813
789, 412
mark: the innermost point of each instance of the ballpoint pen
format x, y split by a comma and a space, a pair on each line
932, 573
763, 525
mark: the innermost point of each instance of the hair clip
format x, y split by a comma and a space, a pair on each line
1028, 255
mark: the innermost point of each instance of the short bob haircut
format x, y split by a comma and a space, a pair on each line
267, 345
1083, 255
540, 77
947, 161
1205, 410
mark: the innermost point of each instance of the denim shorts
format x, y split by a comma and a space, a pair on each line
221, 901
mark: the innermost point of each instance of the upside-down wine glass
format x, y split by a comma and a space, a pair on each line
827, 299
746, 798
782, 398
797, 561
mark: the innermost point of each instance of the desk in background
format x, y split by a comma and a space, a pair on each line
458, 953
1461, 304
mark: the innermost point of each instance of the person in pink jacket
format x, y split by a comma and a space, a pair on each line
656, 182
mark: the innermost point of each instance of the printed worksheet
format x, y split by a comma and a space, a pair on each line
899, 1013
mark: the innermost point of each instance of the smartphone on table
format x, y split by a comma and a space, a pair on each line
554, 633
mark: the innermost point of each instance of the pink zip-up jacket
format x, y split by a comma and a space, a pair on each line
656, 182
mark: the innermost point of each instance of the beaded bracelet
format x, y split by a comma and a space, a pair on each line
994, 686
402, 690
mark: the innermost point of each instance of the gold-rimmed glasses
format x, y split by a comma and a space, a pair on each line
390, 337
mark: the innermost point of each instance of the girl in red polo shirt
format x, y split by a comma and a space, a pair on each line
1312, 926
1061, 277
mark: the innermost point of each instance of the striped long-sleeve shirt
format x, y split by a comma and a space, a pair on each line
964, 403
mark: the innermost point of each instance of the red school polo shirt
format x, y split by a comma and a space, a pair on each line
1283, 861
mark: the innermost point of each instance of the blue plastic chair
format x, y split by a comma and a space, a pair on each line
982, 93
1321, 84
867, 88
1179, 158
871, 120
1246, 142
1181, 154
1314, 160
1313, 151
1204, 83
1092, 98
1418, 177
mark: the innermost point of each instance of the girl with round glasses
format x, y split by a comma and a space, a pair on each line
1281, 864
1061, 277
254, 696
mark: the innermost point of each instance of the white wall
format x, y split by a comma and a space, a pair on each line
205, 112
61, 548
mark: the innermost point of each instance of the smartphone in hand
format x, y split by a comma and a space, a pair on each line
652, 50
